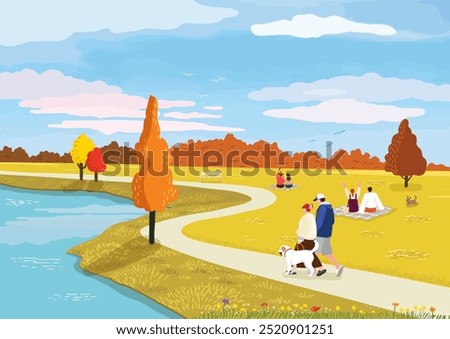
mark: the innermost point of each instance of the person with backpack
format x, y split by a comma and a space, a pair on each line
325, 221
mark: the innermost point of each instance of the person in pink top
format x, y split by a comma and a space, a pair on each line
280, 179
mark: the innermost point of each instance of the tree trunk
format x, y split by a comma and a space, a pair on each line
96, 176
407, 179
81, 167
151, 226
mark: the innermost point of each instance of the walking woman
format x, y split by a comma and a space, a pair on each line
307, 233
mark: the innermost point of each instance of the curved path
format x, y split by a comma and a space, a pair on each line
371, 288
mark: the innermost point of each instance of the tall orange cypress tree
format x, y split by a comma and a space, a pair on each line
404, 157
152, 185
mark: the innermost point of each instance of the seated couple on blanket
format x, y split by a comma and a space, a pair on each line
284, 183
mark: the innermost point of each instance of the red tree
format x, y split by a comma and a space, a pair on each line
404, 157
95, 162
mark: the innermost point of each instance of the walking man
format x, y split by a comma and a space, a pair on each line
325, 221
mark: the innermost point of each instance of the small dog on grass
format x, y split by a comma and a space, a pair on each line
411, 202
296, 257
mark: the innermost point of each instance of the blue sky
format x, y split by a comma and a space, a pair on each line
292, 72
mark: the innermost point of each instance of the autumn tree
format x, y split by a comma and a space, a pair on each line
95, 162
404, 157
152, 185
79, 152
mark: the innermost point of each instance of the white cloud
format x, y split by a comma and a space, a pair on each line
346, 111
29, 84
191, 115
213, 108
48, 20
370, 87
109, 127
313, 26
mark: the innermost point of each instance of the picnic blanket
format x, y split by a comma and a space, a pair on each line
274, 187
341, 211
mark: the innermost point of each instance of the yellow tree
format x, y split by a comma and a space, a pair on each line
152, 185
79, 152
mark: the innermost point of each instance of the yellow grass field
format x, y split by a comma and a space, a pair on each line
409, 242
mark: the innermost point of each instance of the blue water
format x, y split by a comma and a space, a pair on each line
39, 280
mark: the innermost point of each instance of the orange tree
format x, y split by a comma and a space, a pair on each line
404, 157
152, 185
95, 162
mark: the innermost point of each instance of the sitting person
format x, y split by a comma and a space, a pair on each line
306, 234
371, 202
288, 183
352, 202
280, 179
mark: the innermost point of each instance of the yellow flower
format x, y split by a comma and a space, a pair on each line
416, 307
243, 309
219, 306
296, 305
234, 306
408, 310
305, 305
373, 312
353, 308
282, 308
361, 311
401, 309
288, 308
423, 308
254, 309
338, 308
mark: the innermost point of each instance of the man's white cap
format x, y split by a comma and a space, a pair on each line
319, 196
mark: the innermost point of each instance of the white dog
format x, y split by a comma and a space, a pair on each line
296, 257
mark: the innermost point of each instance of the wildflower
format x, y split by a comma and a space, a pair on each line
353, 308
338, 308
432, 309
373, 312
282, 308
254, 309
296, 305
408, 310
305, 305
226, 301
416, 308
401, 309
361, 312
243, 309
395, 304
315, 309
264, 304
234, 306
288, 308
219, 306
423, 308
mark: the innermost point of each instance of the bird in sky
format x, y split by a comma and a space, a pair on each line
188, 74
340, 132
202, 95
312, 140
217, 80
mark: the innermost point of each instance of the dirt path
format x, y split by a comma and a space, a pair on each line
371, 288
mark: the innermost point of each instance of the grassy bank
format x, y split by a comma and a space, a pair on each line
188, 286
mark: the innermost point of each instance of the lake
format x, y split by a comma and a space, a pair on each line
39, 280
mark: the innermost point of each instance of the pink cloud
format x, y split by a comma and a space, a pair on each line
29, 84
213, 108
346, 111
134, 126
85, 105
163, 104
191, 115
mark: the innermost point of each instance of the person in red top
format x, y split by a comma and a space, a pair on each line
280, 179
